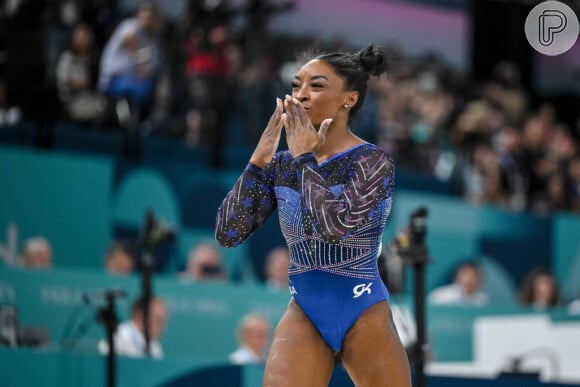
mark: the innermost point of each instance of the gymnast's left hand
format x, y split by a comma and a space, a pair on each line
301, 136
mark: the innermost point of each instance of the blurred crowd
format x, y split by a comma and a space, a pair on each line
490, 139
212, 73
107, 64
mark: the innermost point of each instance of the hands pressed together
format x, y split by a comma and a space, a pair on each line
301, 135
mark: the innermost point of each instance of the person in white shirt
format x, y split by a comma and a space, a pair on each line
130, 59
464, 291
574, 307
129, 337
253, 337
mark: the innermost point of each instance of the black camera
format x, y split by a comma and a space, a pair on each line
418, 227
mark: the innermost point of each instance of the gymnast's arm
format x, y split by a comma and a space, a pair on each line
252, 199
335, 217
245, 208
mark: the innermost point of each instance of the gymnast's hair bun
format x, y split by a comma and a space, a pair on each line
376, 60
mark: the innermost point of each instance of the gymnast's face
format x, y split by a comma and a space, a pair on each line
321, 91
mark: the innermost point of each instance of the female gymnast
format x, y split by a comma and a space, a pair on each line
334, 193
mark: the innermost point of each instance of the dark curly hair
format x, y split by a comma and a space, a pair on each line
356, 68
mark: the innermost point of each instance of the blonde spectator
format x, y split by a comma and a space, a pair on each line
37, 253
253, 337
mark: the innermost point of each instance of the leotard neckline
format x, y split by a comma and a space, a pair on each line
342, 153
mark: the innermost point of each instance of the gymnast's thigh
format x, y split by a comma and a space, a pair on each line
372, 352
298, 355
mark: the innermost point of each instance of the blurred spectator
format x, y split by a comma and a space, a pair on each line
212, 63
131, 60
277, 263
482, 176
256, 39
466, 289
253, 337
204, 263
540, 290
561, 149
75, 77
37, 253
130, 335
573, 184
24, 59
120, 258
261, 59
9, 115
474, 125
535, 139
513, 169
574, 307
429, 107
103, 17
392, 132
506, 92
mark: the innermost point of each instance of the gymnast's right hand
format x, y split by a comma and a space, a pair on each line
268, 144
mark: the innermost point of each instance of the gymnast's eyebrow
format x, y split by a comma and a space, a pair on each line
314, 77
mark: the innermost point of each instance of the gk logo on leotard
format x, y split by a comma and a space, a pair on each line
361, 289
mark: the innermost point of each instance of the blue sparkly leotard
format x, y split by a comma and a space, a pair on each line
332, 216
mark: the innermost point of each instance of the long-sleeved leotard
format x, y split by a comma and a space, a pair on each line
332, 216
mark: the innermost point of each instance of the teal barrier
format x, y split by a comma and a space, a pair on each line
65, 198
566, 251
203, 317
65, 369
27, 368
